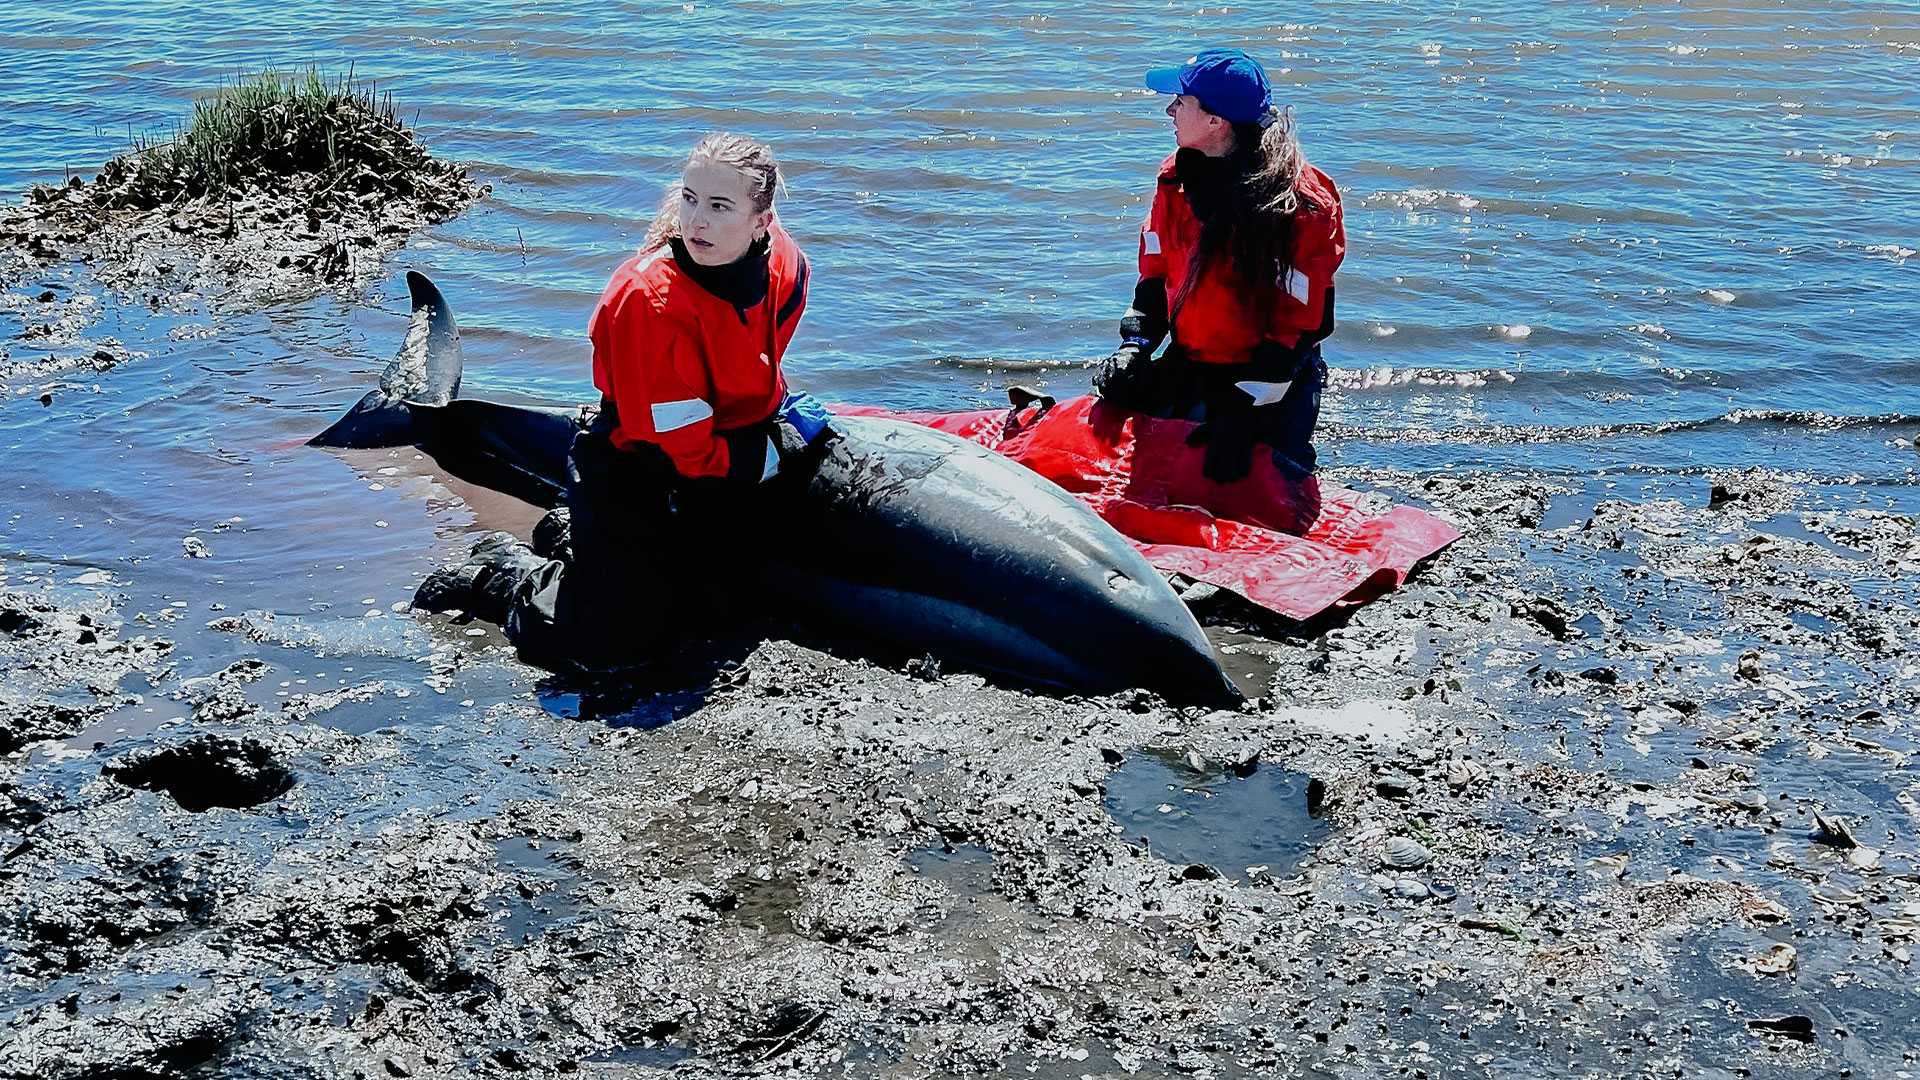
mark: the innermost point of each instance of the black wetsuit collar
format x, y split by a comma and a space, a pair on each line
742, 282
1207, 180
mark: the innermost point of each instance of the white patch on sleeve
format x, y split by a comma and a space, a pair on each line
1297, 285
673, 415
1152, 241
1264, 393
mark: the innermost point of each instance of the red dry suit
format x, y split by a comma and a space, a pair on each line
681, 365
1215, 322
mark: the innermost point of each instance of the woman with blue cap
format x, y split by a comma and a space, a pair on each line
1237, 258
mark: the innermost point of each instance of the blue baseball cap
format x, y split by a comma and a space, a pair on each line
1229, 83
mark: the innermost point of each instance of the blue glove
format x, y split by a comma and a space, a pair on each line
805, 414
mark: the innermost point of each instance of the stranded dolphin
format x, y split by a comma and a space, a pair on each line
907, 536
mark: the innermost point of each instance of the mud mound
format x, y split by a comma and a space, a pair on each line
206, 772
278, 187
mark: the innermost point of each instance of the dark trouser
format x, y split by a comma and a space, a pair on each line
1183, 389
614, 603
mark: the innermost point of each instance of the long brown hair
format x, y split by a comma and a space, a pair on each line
750, 156
1253, 226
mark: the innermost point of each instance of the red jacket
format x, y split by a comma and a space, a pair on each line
1216, 323
682, 365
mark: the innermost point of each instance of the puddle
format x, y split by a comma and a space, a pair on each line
1213, 818
962, 867
1819, 624
1790, 527
543, 901
622, 707
650, 1057
1569, 511
768, 905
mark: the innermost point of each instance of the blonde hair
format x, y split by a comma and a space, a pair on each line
751, 156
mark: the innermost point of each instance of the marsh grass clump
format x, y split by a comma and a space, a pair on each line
278, 183
272, 127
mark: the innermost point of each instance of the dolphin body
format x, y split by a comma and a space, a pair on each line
913, 538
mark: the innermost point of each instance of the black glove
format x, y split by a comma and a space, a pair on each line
1228, 435
1118, 372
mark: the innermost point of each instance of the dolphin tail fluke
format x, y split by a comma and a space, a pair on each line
518, 449
425, 372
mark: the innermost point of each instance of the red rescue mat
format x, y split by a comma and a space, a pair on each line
1296, 547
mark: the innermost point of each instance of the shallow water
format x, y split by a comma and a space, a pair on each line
1601, 229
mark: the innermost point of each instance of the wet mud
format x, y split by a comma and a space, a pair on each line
1619, 785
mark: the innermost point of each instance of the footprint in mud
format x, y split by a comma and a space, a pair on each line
205, 772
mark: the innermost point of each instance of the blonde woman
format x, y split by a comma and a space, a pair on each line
688, 339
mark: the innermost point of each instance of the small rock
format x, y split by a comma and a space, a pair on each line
1316, 795
1546, 613
1749, 666
1409, 889
1833, 831
1195, 761
1793, 1027
195, 547
1199, 872
1394, 786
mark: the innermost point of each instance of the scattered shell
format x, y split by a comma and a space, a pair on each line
1404, 853
1409, 889
1775, 961
1464, 774
1611, 865
1863, 858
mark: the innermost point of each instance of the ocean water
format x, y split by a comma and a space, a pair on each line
1584, 239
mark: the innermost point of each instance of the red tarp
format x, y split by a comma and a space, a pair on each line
1294, 547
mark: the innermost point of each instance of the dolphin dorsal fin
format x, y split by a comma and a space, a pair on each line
426, 370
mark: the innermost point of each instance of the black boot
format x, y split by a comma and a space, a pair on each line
553, 535
483, 585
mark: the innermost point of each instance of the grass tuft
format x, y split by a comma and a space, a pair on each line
264, 129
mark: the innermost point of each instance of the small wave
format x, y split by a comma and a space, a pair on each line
1528, 433
1002, 363
1719, 296
1892, 251
1378, 378
1420, 199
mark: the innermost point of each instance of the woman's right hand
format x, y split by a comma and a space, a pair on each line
1121, 372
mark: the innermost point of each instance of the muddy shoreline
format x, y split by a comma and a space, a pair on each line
1562, 787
